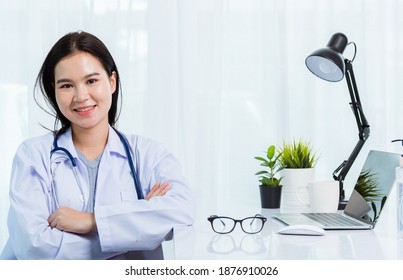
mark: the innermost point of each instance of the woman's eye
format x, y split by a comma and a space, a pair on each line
91, 81
66, 86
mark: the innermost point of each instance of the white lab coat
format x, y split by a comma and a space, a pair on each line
124, 223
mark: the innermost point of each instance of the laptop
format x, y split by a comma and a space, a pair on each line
366, 202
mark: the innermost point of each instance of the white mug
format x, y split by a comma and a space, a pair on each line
323, 196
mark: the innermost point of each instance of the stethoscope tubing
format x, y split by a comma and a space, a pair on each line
131, 165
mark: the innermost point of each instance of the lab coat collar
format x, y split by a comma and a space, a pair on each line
114, 144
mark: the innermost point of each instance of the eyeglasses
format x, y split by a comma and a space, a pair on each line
223, 225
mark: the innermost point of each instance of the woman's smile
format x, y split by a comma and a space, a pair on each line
85, 110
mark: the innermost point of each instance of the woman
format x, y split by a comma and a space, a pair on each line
73, 194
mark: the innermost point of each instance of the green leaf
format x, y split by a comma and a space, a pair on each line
270, 152
266, 163
375, 211
261, 159
383, 201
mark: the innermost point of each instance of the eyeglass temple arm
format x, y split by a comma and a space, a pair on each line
213, 217
257, 216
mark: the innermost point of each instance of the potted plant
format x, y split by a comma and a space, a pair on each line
297, 154
298, 161
270, 183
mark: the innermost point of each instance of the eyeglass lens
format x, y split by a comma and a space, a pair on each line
252, 225
223, 225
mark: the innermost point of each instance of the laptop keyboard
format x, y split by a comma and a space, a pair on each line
331, 219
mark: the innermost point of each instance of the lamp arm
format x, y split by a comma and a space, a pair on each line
344, 168
355, 104
362, 124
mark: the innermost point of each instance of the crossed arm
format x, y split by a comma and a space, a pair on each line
68, 219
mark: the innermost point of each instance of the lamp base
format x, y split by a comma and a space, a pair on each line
342, 204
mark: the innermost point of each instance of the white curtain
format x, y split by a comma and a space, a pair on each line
216, 81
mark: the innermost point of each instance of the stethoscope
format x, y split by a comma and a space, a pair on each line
129, 153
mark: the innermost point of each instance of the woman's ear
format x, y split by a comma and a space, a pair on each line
112, 80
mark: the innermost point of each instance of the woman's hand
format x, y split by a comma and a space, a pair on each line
158, 190
68, 219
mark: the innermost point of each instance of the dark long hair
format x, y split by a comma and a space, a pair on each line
65, 46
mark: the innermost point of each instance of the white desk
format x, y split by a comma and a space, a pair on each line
200, 242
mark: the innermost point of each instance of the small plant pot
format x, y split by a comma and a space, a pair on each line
270, 197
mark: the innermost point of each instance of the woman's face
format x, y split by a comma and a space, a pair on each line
84, 90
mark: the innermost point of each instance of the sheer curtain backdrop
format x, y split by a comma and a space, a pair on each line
216, 81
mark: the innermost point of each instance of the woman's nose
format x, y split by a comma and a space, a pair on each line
81, 93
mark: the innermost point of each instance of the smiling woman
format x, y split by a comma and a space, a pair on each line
85, 201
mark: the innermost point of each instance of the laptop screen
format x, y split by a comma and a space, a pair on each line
373, 186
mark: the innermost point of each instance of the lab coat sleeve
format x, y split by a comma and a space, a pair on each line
30, 235
142, 224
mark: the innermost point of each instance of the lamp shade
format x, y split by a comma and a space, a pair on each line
328, 63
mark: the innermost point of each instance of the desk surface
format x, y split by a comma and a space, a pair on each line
200, 242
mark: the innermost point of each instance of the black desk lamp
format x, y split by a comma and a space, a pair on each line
329, 64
